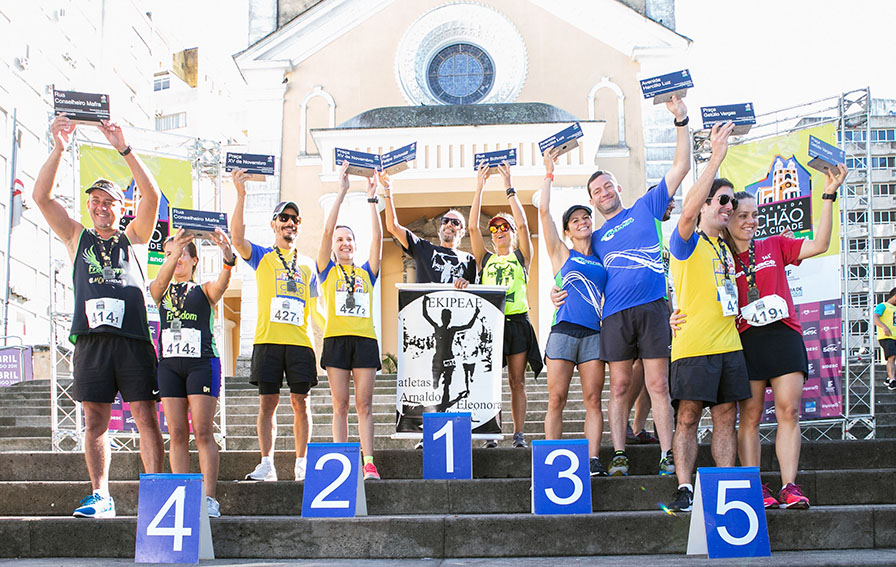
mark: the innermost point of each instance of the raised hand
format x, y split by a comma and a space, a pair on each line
482, 175
61, 129
343, 176
240, 176
114, 134
677, 107
833, 182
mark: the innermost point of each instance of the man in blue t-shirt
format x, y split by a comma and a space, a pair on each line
635, 315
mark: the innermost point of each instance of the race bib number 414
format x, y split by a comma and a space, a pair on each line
104, 311
185, 343
288, 310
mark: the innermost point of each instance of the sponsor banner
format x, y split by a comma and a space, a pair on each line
15, 365
122, 420
789, 196
450, 356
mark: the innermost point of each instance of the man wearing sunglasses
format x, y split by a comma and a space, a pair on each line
286, 283
444, 263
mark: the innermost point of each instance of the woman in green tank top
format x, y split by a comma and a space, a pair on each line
508, 265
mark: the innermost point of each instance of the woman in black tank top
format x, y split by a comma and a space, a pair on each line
189, 367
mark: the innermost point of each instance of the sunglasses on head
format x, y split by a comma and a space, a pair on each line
452, 220
724, 200
284, 217
502, 227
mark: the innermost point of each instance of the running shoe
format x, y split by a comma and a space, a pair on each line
667, 464
768, 499
214, 509
490, 444
630, 437
370, 472
791, 496
891, 385
95, 506
299, 469
645, 438
619, 464
682, 500
519, 441
263, 471
596, 468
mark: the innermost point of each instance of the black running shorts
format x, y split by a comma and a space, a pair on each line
104, 364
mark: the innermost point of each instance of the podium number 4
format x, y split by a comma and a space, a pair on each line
178, 531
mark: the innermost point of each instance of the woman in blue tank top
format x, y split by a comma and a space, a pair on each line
189, 371
575, 335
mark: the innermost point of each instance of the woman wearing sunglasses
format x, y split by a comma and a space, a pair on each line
574, 341
350, 351
189, 370
508, 266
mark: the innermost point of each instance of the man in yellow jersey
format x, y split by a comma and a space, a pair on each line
286, 284
708, 368
885, 321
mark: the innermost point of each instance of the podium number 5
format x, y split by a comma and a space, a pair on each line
722, 508
569, 473
178, 531
319, 501
447, 431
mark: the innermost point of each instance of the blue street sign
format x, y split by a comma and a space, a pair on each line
447, 445
561, 481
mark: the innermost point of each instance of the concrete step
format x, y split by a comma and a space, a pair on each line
19, 431
438, 536
25, 444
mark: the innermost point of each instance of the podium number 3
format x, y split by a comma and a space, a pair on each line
319, 501
178, 531
569, 473
722, 508
447, 431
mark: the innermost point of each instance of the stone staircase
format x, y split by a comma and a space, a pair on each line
849, 483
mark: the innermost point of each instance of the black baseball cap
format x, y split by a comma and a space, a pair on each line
571, 210
282, 205
109, 187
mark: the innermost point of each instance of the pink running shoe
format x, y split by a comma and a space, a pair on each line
768, 499
370, 472
791, 496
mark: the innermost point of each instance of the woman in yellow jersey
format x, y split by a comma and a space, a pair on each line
508, 265
350, 348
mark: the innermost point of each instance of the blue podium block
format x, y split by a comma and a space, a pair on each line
447, 445
728, 517
334, 484
172, 520
561, 481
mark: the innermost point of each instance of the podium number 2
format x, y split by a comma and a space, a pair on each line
722, 508
569, 473
319, 501
178, 531
447, 431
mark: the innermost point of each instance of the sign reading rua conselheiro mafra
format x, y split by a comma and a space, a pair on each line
449, 355
81, 107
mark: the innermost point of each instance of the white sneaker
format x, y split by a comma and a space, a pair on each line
264, 472
300, 470
95, 506
214, 509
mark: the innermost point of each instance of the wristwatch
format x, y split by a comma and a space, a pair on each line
829, 196
684, 122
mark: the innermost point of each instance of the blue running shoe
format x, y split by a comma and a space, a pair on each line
95, 506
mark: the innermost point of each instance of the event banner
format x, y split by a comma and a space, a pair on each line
450, 355
173, 176
789, 197
15, 365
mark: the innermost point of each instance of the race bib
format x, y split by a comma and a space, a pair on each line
352, 305
104, 311
728, 298
288, 310
185, 343
765, 310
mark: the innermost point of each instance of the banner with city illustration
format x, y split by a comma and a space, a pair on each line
789, 197
449, 358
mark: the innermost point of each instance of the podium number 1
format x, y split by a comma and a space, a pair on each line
722, 508
447, 431
319, 501
569, 473
178, 531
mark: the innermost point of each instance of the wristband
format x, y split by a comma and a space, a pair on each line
125, 151
549, 176
374, 200
227, 266
231, 263
829, 196
683, 122
510, 191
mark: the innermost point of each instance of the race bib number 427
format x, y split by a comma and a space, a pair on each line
288, 310
104, 311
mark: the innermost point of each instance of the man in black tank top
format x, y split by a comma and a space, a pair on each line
113, 349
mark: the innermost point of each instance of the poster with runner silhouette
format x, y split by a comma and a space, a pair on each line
450, 355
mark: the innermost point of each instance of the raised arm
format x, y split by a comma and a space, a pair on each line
476, 241
695, 198
376, 227
326, 237
237, 223
523, 238
214, 289
392, 225
470, 323
166, 271
822, 240
681, 162
141, 229
65, 227
557, 249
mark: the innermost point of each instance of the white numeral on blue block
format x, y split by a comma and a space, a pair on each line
561, 483
722, 508
569, 473
447, 431
178, 531
319, 500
